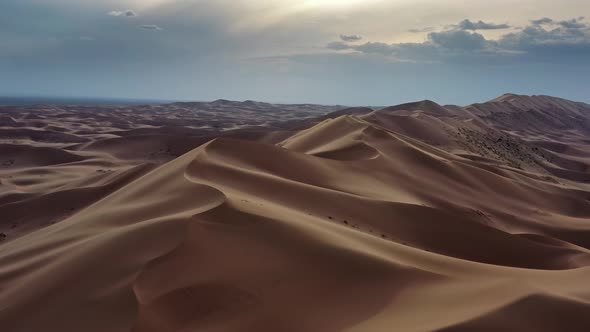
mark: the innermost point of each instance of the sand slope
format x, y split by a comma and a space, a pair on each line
354, 224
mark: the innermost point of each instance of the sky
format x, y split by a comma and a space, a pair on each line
347, 52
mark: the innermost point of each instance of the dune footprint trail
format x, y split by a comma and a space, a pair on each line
345, 226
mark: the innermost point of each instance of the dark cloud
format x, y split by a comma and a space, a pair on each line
350, 38
338, 46
376, 48
480, 25
419, 30
573, 24
458, 40
542, 21
150, 27
124, 13
570, 33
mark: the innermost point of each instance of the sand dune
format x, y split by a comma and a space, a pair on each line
396, 219
47, 150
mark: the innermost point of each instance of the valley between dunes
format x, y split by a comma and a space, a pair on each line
413, 218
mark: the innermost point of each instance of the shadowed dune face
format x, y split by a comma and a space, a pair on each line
377, 221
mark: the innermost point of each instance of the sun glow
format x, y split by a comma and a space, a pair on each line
146, 4
334, 3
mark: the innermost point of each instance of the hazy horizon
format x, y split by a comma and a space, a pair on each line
24, 100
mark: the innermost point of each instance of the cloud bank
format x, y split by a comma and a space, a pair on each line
542, 40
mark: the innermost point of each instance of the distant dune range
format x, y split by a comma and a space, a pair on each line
230, 216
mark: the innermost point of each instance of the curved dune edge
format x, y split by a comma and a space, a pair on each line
243, 236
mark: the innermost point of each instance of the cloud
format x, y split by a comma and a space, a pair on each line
419, 30
338, 46
567, 39
376, 48
542, 21
573, 24
480, 25
150, 27
350, 38
573, 33
125, 13
458, 40
86, 38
